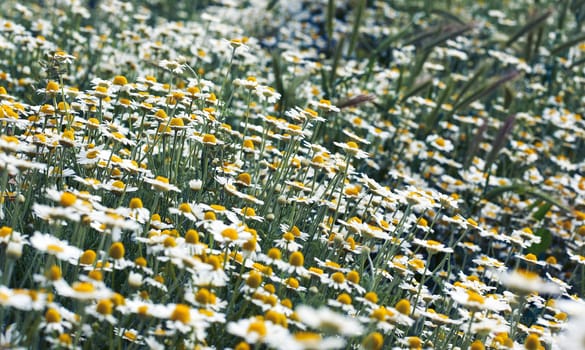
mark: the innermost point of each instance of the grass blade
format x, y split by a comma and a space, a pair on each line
487, 89
562, 47
451, 33
329, 22
434, 117
529, 27
354, 101
500, 141
524, 189
474, 146
357, 22
417, 88
336, 59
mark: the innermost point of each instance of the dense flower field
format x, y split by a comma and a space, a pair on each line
292, 174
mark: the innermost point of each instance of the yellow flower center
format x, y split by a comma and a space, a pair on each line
204, 296
257, 327
209, 216
209, 138
83, 287
532, 342
177, 122
214, 261
117, 250
52, 86
353, 276
475, 297
530, 257
527, 274
248, 144
130, 335
247, 211
288, 236
416, 263
143, 310
344, 298
181, 313
293, 282
54, 273
245, 178
254, 279
88, 257
192, 236
52, 316
403, 306
118, 185
274, 253
120, 80
230, 233
65, 339
338, 277
170, 242
53, 248
307, 337
379, 314
162, 179
373, 341
296, 259
316, 270
5, 231
105, 307
371, 297
67, 199
352, 145
140, 261
250, 245
136, 203
414, 343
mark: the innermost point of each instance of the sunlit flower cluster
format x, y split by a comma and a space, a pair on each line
289, 175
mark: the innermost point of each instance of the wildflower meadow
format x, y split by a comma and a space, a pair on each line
272, 174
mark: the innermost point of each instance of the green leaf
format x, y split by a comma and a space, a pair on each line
336, 60
357, 22
508, 96
433, 119
416, 70
487, 88
271, 4
542, 210
567, 44
548, 198
545, 242
525, 189
329, 21
533, 24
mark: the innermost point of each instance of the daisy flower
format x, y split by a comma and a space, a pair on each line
161, 183
525, 282
89, 290
352, 148
255, 330
432, 246
324, 105
287, 241
48, 243
310, 340
475, 302
329, 321
102, 311
228, 233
